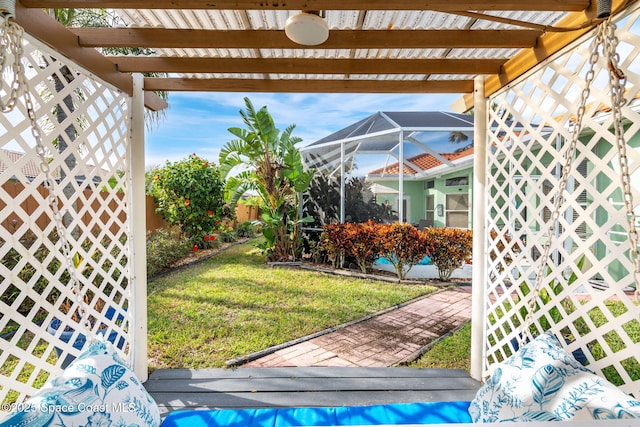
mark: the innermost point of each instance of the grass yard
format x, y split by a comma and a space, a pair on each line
234, 304
452, 352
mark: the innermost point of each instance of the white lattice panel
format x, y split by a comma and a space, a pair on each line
586, 295
85, 131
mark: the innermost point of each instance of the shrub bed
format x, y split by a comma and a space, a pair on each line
401, 244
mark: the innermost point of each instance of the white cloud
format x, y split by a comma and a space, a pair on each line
198, 122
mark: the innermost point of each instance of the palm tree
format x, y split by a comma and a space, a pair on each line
265, 161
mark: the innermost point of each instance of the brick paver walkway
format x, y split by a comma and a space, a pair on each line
384, 340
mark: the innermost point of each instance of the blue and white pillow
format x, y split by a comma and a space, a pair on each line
97, 389
542, 382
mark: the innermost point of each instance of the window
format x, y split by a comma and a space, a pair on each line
429, 184
430, 213
457, 181
457, 213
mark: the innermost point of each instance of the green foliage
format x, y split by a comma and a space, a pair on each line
164, 248
271, 166
403, 245
246, 229
189, 194
360, 205
450, 248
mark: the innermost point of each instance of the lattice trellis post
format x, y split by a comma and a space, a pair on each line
587, 296
85, 128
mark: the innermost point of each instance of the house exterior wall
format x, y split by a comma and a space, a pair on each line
416, 193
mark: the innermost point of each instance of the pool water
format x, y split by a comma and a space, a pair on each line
384, 261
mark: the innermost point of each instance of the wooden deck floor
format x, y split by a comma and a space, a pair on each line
175, 389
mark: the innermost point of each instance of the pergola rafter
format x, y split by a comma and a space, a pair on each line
373, 47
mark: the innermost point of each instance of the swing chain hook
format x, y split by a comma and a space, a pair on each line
11, 37
617, 82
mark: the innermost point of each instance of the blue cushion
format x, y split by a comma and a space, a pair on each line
397, 413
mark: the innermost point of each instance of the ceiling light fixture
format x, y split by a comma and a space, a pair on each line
307, 28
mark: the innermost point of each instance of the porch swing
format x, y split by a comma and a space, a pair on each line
99, 368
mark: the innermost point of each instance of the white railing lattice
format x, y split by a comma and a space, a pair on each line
587, 295
85, 131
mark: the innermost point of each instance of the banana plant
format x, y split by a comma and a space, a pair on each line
264, 161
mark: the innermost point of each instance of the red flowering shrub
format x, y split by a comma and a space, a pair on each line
189, 194
450, 248
403, 246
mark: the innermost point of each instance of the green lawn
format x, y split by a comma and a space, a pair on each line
452, 352
234, 304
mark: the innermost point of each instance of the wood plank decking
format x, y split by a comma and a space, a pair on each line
175, 389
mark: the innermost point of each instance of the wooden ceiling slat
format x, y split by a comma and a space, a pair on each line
440, 5
311, 86
274, 39
306, 66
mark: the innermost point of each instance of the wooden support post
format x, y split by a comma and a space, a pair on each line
478, 321
137, 236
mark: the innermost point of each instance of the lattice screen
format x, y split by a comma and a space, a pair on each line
85, 131
587, 295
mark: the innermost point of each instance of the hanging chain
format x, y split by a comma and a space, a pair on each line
11, 42
617, 81
564, 180
605, 37
12, 39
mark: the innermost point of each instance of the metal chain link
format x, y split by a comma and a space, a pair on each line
12, 42
617, 82
605, 37
564, 179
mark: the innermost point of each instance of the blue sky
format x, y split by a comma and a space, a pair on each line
197, 122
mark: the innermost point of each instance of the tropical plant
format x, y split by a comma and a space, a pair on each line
450, 248
360, 205
362, 243
189, 194
403, 246
458, 137
102, 18
263, 160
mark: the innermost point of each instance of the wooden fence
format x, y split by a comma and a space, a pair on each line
89, 207
30, 206
155, 221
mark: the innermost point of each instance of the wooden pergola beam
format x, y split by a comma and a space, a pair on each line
547, 45
302, 86
440, 5
50, 32
306, 65
276, 39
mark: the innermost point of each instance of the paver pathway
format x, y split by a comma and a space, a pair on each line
384, 340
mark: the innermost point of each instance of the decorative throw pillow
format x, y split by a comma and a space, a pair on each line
542, 382
97, 389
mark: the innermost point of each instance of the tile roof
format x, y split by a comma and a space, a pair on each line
30, 169
423, 161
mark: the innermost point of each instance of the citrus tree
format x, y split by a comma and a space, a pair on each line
265, 161
189, 194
